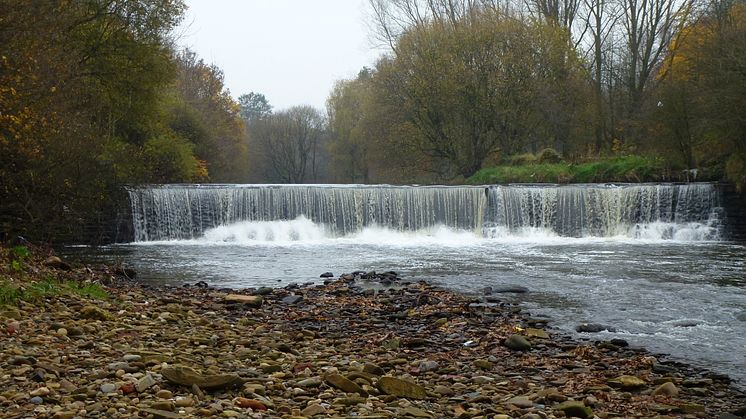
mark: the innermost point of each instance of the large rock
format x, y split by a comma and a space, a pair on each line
188, 377
254, 301
401, 388
374, 369
57, 263
576, 409
593, 328
92, 312
340, 382
537, 333
627, 382
510, 289
666, 389
517, 343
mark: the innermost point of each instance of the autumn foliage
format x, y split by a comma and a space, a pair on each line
94, 96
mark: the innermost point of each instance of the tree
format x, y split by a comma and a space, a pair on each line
349, 144
204, 113
649, 28
80, 83
471, 88
291, 141
703, 92
254, 106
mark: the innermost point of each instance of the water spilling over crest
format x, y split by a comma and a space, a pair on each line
247, 213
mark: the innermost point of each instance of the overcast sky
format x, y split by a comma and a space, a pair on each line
292, 51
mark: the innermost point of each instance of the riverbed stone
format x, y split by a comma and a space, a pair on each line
145, 383
666, 389
313, 410
254, 301
108, 388
187, 376
627, 382
573, 408
401, 388
278, 354
517, 343
510, 289
593, 328
342, 383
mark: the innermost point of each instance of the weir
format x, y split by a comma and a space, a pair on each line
655, 211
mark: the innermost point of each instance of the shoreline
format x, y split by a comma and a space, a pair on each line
326, 350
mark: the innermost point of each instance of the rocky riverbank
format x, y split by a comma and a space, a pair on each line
333, 350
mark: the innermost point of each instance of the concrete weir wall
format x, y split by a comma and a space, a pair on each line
734, 205
121, 227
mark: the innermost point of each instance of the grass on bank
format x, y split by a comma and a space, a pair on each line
24, 278
12, 293
618, 169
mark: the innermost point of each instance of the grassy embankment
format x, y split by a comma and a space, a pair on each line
26, 275
617, 169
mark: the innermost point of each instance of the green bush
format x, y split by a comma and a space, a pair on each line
539, 173
9, 294
619, 169
522, 159
549, 155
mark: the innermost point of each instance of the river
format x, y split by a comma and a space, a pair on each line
661, 273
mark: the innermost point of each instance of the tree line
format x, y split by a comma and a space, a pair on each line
470, 84
95, 95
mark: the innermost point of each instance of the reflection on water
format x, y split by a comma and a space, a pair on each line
687, 299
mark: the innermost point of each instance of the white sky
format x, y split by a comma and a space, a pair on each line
292, 51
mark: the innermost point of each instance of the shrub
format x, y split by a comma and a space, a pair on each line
522, 159
549, 155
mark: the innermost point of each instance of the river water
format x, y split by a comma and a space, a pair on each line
648, 260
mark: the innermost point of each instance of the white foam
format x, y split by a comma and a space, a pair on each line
299, 230
302, 231
684, 232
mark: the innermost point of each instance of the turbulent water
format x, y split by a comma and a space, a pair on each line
650, 260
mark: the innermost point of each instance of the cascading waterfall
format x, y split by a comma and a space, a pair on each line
170, 212
690, 211
664, 211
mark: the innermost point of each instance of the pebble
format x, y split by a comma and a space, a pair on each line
108, 388
164, 394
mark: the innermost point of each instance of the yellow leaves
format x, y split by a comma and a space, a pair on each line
201, 173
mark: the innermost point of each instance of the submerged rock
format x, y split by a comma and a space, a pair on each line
509, 289
593, 328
